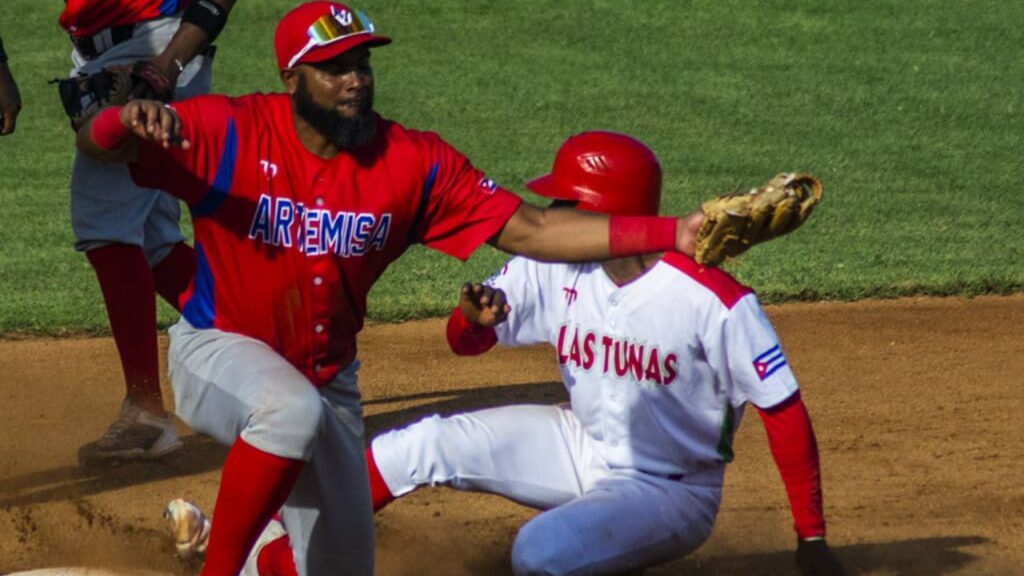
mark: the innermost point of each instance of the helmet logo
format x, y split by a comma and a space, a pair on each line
593, 163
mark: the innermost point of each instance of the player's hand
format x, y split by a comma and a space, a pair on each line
813, 558
153, 121
10, 101
155, 79
483, 305
686, 233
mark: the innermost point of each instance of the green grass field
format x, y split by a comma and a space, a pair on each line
908, 110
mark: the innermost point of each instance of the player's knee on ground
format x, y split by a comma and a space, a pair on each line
286, 425
545, 547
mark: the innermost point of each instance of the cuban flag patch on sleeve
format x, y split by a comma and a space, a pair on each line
769, 361
487, 185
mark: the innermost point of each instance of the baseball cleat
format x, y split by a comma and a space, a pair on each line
189, 526
135, 435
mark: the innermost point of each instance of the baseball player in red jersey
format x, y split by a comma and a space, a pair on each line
131, 235
10, 97
659, 356
299, 202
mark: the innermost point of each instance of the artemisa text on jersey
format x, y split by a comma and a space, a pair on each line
282, 222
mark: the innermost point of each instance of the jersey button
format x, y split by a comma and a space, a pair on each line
319, 328
317, 367
614, 443
319, 201
317, 280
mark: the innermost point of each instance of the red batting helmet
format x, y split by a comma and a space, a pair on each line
604, 172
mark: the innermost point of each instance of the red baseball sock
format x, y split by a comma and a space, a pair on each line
127, 287
275, 559
173, 274
253, 486
379, 492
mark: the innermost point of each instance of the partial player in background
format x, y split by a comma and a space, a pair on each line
131, 236
300, 200
659, 355
10, 98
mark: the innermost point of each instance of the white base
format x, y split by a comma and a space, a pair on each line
85, 571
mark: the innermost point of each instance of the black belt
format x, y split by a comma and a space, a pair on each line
92, 46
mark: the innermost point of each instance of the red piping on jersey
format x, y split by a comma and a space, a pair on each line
720, 283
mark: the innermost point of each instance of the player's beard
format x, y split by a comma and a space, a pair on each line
343, 132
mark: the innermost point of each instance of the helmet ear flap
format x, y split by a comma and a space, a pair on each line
561, 203
604, 172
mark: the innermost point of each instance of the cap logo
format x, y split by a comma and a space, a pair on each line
344, 16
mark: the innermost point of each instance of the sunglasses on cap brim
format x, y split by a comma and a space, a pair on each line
331, 28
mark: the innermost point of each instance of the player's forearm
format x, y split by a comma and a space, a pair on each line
10, 100
194, 34
104, 137
558, 234
795, 451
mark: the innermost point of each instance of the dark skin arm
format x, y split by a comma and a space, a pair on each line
552, 234
559, 234
145, 120
10, 100
187, 42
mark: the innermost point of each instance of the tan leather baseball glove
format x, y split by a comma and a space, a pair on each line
735, 222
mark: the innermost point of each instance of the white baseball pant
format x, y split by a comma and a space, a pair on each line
106, 205
598, 520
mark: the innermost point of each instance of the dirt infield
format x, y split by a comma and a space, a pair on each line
916, 404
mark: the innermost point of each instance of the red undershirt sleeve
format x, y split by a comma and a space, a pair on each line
466, 339
795, 450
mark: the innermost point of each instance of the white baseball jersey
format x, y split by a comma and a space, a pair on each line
630, 475
657, 370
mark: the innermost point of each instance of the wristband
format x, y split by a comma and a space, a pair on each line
466, 338
3, 55
631, 235
209, 16
107, 131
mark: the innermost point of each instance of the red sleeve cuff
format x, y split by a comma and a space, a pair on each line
467, 339
795, 451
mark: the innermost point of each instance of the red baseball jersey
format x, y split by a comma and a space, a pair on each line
288, 244
87, 17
